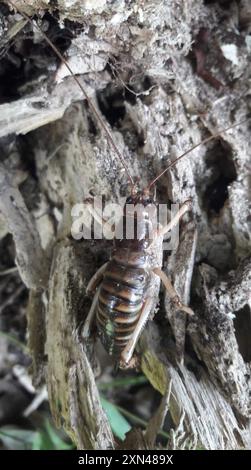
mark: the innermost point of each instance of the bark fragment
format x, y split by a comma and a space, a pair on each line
158, 108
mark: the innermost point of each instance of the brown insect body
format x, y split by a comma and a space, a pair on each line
127, 287
128, 280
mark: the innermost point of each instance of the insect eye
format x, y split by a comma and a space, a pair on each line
148, 201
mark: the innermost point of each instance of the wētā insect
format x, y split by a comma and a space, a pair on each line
125, 288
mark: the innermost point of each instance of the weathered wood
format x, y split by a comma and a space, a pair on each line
73, 394
30, 258
169, 109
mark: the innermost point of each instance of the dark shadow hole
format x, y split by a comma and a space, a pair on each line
126, 88
111, 104
111, 101
242, 324
24, 61
27, 155
219, 160
223, 3
4, 10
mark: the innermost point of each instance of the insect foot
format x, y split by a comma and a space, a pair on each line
133, 363
180, 306
188, 204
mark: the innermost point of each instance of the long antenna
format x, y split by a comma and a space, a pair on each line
213, 136
94, 110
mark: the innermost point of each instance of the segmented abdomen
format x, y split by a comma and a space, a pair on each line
121, 298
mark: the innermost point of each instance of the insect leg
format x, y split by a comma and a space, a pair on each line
91, 286
172, 292
96, 214
85, 333
184, 208
96, 279
126, 355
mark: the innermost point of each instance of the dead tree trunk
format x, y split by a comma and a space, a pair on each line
164, 75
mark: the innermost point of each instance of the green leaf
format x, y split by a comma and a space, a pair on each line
15, 438
41, 441
46, 438
119, 424
123, 382
56, 440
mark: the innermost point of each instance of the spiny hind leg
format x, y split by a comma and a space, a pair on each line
127, 360
96, 279
85, 333
91, 286
172, 292
96, 213
186, 206
162, 231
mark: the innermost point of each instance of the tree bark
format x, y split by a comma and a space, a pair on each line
165, 75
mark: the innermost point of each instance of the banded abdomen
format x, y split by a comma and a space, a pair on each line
121, 297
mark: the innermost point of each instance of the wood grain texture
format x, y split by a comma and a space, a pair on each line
159, 108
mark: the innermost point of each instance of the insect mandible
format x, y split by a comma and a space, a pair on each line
126, 287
